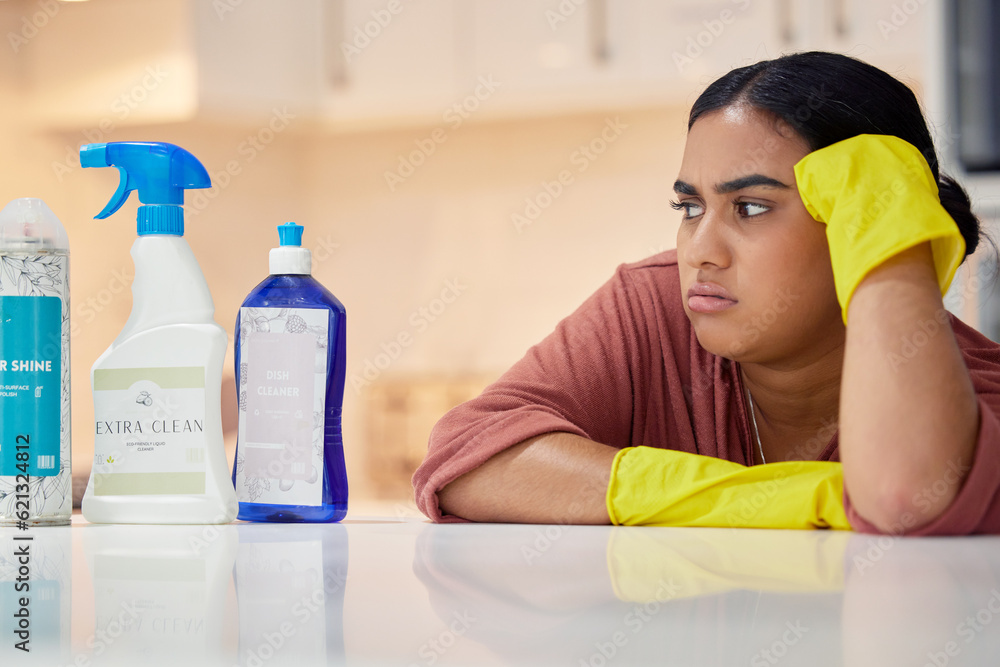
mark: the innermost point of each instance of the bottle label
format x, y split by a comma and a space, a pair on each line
149, 431
30, 385
282, 387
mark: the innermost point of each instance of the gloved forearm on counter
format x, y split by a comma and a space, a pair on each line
663, 487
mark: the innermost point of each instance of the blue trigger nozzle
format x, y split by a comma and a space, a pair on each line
161, 172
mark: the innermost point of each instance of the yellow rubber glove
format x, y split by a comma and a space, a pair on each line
878, 197
663, 487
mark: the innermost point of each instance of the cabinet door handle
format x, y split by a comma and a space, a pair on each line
597, 11
841, 22
334, 22
786, 19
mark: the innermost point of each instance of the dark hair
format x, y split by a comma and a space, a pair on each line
828, 97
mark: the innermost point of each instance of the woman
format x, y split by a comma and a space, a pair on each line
799, 323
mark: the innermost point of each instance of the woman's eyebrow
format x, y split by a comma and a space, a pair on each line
759, 180
752, 180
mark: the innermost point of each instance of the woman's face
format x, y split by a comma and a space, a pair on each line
746, 234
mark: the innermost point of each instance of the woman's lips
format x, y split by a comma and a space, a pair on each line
709, 304
709, 298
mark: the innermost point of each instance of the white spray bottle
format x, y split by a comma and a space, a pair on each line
159, 456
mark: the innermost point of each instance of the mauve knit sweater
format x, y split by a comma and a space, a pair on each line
626, 369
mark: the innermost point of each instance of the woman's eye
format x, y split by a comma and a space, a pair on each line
691, 210
749, 209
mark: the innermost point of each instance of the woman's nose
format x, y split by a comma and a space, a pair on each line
705, 242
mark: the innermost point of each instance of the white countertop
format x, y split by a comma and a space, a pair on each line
402, 591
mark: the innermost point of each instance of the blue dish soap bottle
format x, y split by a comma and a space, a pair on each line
290, 369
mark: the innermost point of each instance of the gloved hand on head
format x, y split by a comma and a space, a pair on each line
878, 197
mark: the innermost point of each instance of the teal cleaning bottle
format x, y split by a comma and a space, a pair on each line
291, 342
35, 485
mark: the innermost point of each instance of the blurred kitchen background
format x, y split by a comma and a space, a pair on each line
467, 171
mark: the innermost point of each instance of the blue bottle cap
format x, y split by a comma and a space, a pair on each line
290, 234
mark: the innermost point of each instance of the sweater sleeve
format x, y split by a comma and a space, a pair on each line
976, 508
577, 380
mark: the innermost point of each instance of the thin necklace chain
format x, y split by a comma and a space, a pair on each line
756, 433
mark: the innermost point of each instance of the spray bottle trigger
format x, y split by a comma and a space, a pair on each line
125, 185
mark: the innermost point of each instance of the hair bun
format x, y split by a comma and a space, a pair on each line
956, 202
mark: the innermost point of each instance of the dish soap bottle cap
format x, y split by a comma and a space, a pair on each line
290, 258
161, 172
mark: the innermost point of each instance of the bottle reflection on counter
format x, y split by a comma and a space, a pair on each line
160, 593
290, 592
36, 633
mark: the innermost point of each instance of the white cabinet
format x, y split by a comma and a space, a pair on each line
886, 33
701, 40
528, 44
112, 63
368, 63
898, 33
342, 61
557, 56
253, 55
104, 65
389, 60
691, 43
